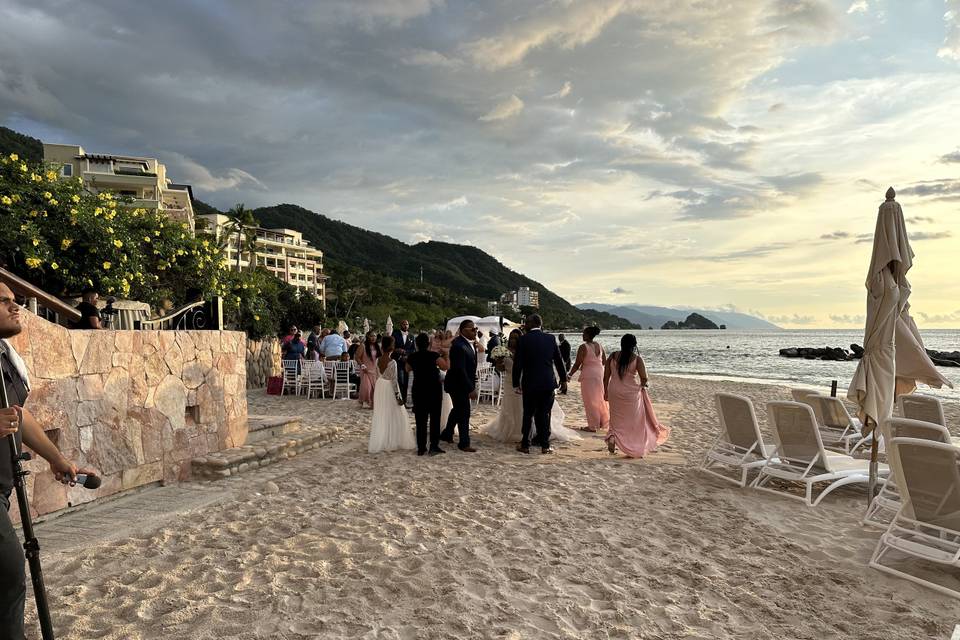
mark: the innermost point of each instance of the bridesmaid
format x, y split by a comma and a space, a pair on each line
633, 425
589, 362
367, 357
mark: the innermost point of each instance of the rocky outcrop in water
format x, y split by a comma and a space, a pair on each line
940, 358
944, 358
693, 321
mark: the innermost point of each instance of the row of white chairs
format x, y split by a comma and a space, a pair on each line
316, 378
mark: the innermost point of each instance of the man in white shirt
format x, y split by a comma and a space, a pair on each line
334, 347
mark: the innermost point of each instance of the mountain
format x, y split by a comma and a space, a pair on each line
28, 148
653, 316
456, 279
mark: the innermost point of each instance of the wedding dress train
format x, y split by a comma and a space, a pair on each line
391, 427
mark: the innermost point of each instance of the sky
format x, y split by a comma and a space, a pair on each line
712, 154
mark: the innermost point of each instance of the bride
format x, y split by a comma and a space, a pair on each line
391, 429
508, 424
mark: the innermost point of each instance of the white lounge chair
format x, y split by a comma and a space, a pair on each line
918, 406
740, 445
806, 396
888, 501
800, 456
839, 431
927, 526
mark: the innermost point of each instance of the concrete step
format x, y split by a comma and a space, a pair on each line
262, 427
264, 452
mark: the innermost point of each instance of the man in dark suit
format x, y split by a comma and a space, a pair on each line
565, 352
492, 344
404, 344
461, 384
533, 376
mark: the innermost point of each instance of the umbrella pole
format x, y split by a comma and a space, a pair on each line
874, 452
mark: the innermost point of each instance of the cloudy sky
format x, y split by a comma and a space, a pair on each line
675, 153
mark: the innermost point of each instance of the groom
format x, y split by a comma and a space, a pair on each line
461, 384
533, 375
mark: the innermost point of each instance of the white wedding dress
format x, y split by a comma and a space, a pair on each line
508, 425
391, 428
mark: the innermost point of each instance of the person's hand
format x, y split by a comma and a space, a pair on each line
605, 398
563, 388
517, 390
473, 395
399, 400
9, 421
63, 468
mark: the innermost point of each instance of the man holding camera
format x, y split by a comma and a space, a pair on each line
18, 423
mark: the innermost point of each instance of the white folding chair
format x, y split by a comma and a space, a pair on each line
486, 386
342, 386
314, 377
291, 380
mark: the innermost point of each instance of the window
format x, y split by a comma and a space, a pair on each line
66, 171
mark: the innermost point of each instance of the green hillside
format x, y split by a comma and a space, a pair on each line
30, 149
459, 279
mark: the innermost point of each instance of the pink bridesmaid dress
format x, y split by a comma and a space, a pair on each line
634, 428
368, 381
591, 387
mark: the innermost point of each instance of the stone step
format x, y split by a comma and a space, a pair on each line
261, 427
229, 462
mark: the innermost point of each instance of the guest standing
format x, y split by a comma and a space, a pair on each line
564, 351
427, 392
89, 314
633, 424
367, 357
333, 347
390, 429
404, 345
533, 376
589, 362
291, 332
294, 350
461, 384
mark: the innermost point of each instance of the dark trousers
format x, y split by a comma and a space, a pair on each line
459, 418
536, 409
13, 585
402, 377
426, 408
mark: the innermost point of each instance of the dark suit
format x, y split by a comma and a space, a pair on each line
492, 344
460, 382
409, 346
538, 357
565, 354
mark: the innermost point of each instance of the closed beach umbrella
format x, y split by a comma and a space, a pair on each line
388, 328
341, 327
894, 359
366, 326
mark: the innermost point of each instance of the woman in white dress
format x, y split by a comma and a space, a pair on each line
508, 425
391, 428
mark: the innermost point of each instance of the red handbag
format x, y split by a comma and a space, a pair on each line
275, 385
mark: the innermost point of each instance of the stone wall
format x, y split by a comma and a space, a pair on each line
136, 405
263, 361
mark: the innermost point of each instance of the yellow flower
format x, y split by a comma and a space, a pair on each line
47, 195
34, 213
35, 242
14, 157
146, 238
97, 211
35, 177
53, 201
65, 244
23, 168
23, 227
107, 196
117, 244
75, 198
15, 197
110, 230
256, 317
73, 212
6, 200
33, 263
106, 265
51, 176
54, 266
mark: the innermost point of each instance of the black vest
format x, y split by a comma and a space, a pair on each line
16, 394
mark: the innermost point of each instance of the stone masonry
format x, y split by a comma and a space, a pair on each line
263, 361
136, 405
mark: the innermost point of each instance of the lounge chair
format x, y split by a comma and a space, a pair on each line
886, 503
918, 406
839, 431
806, 396
740, 445
799, 456
927, 526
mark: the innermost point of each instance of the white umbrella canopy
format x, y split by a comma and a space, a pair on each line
388, 327
366, 326
341, 327
453, 324
894, 359
491, 324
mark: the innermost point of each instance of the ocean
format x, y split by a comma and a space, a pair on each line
753, 356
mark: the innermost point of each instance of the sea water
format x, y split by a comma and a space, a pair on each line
753, 356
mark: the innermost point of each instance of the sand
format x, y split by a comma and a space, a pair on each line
499, 545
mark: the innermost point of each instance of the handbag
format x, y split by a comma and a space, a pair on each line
274, 385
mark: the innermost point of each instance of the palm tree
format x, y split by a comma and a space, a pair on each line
244, 224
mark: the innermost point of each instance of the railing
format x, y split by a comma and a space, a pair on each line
38, 300
203, 315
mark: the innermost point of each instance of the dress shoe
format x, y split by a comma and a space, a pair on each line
611, 447
446, 439
467, 449
435, 451
421, 452
523, 449
547, 450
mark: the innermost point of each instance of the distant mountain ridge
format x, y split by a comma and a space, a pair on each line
654, 316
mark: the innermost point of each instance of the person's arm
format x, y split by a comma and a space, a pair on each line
642, 371
95, 322
579, 361
561, 369
606, 377
36, 439
408, 368
442, 364
518, 367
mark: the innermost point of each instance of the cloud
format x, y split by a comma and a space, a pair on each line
848, 319
953, 156
917, 236
859, 6
946, 188
562, 93
201, 178
835, 235
503, 110
951, 42
620, 291
758, 251
792, 319
920, 219
429, 58
941, 318
796, 183
777, 107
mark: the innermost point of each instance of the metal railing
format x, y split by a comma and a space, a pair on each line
203, 315
39, 301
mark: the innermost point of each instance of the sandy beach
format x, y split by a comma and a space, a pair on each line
495, 544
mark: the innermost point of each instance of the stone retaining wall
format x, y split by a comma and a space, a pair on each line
263, 361
136, 405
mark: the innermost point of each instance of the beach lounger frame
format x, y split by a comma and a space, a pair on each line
740, 445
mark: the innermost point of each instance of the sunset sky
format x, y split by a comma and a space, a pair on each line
728, 154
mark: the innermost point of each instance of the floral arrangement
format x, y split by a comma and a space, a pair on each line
499, 352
